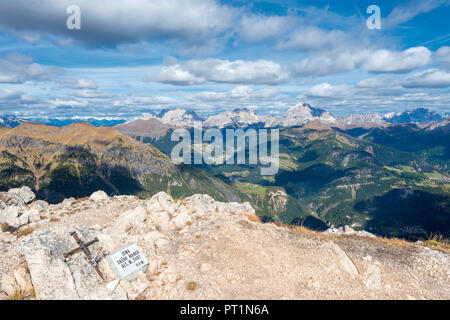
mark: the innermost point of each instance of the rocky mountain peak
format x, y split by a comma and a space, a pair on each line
180, 118
199, 248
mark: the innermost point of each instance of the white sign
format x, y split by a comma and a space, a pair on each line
127, 262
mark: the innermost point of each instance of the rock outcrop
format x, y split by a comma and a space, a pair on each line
199, 248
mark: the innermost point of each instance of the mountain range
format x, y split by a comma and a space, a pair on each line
343, 176
389, 178
297, 115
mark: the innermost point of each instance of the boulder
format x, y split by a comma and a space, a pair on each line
181, 219
34, 215
8, 284
54, 277
20, 196
98, 196
23, 279
131, 221
39, 205
161, 202
349, 230
9, 218
24, 219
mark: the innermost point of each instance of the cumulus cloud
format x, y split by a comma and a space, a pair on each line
313, 38
431, 78
17, 68
57, 102
239, 95
255, 28
385, 61
81, 83
225, 71
144, 100
89, 94
379, 61
331, 63
176, 75
108, 22
326, 90
442, 56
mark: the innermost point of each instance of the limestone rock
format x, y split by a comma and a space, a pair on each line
372, 277
9, 218
112, 285
98, 196
348, 230
181, 219
39, 205
54, 278
346, 263
33, 214
132, 221
8, 284
20, 196
23, 279
161, 202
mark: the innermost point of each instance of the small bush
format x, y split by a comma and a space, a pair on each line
438, 241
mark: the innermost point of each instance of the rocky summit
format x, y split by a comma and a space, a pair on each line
199, 248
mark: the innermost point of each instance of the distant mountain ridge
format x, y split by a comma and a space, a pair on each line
418, 115
296, 115
75, 160
10, 121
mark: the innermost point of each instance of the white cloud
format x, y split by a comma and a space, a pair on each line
144, 100
89, 94
9, 94
313, 38
326, 90
379, 61
443, 56
376, 83
431, 78
331, 63
67, 103
385, 61
81, 83
406, 12
111, 22
256, 28
176, 75
17, 68
239, 95
239, 71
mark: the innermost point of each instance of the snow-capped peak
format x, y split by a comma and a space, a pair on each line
180, 118
238, 118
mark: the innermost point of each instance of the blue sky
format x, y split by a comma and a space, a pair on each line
137, 56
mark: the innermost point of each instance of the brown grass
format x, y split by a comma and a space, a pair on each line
191, 286
438, 241
80, 200
4, 226
25, 231
253, 218
245, 223
17, 295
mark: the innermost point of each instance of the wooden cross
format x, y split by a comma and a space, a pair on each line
84, 247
